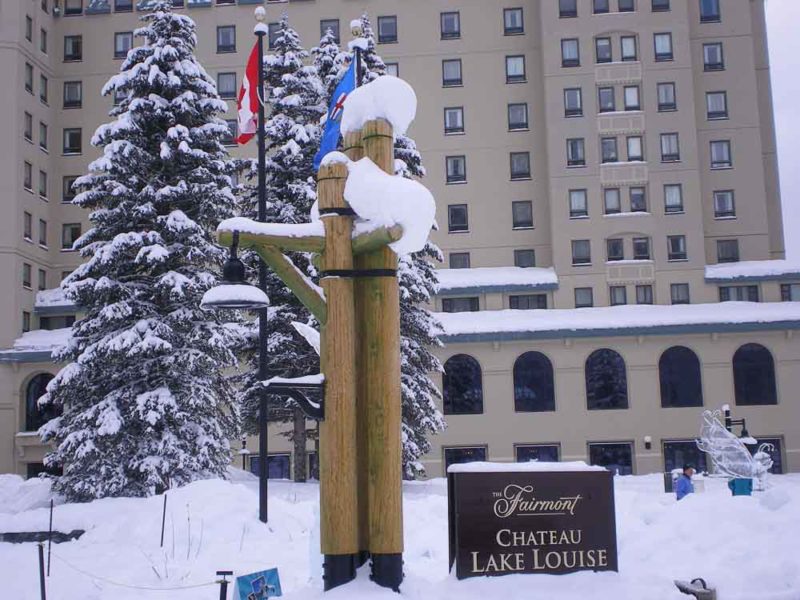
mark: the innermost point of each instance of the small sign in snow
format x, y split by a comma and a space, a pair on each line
258, 586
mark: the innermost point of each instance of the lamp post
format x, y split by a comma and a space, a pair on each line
244, 453
730, 422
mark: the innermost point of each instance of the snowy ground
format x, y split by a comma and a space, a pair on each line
747, 547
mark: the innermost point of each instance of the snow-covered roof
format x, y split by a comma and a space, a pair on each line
36, 345
754, 270
533, 466
618, 321
495, 279
53, 301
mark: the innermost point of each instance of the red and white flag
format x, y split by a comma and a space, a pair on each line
249, 99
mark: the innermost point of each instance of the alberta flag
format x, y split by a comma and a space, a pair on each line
330, 138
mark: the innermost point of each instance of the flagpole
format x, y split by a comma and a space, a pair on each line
263, 316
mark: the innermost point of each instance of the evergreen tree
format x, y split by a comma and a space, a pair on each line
295, 102
145, 403
329, 60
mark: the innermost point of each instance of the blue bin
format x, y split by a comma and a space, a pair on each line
741, 487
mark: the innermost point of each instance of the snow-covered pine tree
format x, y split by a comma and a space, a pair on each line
295, 103
329, 59
146, 403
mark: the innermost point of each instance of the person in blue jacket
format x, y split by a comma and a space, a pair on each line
683, 485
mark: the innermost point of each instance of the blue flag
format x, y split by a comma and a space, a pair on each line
330, 138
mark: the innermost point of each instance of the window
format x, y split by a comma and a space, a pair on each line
679, 376
534, 389
631, 95
644, 294
27, 127
73, 94
660, 5
608, 150
716, 105
119, 96
520, 165
125, 5
43, 136
462, 386
451, 25
459, 260
576, 155
456, 169
70, 232
515, 69
42, 280
229, 139
177, 3
709, 11
528, 302
738, 293
43, 89
512, 21
570, 53
790, 292
617, 295
29, 77
727, 251
713, 59
628, 48
226, 85
223, 2
581, 252
527, 258
602, 49
600, 7
676, 246
666, 97
670, 147
226, 38
277, 466
43, 40
626, 6
27, 176
578, 204
567, 8
724, 205
611, 201
641, 248
72, 141
663, 46
573, 102
26, 321
457, 456
754, 376
522, 214
679, 293
387, 30
28, 28
584, 297
451, 72
721, 154
673, 198
635, 150
638, 197
606, 381
73, 7
67, 191
37, 415
42, 184
27, 226
518, 116
273, 34
536, 452
26, 275
44, 7
42, 232
456, 305
123, 41
454, 120
679, 453
457, 218
331, 25
605, 99
615, 249
393, 69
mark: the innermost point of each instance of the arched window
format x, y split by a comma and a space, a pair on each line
679, 374
533, 383
35, 416
754, 376
463, 386
606, 382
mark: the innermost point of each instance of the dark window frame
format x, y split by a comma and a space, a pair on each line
457, 227
533, 378
450, 35
680, 377
476, 404
384, 38
609, 365
227, 48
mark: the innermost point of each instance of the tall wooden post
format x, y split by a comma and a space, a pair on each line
338, 450
378, 302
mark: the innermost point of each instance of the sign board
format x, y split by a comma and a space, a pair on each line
258, 586
528, 521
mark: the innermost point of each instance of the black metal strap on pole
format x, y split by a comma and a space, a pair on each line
342, 211
356, 273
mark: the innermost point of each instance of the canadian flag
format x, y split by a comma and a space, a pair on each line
248, 99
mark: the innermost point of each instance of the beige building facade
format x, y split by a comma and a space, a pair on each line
586, 156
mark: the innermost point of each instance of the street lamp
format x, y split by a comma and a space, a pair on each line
234, 293
244, 453
730, 422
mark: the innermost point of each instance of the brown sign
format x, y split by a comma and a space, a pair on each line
531, 522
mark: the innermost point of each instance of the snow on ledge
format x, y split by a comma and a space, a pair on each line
754, 270
526, 467
316, 379
495, 277
54, 297
41, 340
298, 230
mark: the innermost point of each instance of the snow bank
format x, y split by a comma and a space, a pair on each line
388, 200
296, 230
387, 98
754, 269
19, 495
455, 279
526, 467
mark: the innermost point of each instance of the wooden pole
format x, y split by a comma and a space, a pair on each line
338, 480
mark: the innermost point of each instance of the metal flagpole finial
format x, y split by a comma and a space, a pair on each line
260, 14
356, 28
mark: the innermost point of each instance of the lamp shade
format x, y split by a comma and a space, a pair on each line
234, 296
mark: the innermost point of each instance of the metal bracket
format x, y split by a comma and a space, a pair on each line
297, 392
